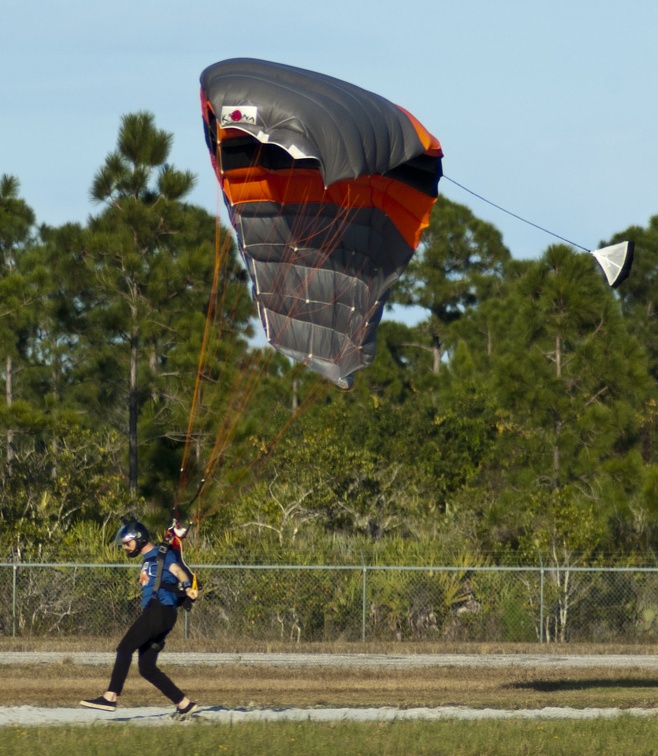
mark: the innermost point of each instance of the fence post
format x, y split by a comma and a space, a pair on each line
13, 601
363, 606
541, 604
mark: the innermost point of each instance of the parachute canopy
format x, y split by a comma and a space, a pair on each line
616, 261
328, 187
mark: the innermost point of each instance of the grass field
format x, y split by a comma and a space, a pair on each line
235, 686
242, 686
454, 738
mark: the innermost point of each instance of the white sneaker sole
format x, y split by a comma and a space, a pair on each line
100, 707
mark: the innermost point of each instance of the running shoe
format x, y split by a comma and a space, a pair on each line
99, 703
180, 715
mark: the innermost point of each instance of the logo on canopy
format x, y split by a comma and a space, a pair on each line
232, 115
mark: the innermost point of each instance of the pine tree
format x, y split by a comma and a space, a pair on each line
459, 257
569, 382
16, 293
132, 248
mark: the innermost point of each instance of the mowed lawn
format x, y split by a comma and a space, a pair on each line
625, 735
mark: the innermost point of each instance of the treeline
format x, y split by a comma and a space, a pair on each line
516, 423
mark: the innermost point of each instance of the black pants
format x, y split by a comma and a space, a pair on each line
146, 636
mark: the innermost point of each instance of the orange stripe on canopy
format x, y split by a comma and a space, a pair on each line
408, 208
429, 141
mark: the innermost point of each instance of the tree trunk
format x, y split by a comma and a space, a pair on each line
558, 422
295, 394
54, 444
132, 417
555, 483
558, 356
436, 353
9, 398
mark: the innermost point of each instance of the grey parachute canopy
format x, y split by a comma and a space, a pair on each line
328, 187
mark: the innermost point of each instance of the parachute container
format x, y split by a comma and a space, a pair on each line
328, 187
616, 261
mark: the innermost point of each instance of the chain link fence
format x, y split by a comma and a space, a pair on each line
306, 604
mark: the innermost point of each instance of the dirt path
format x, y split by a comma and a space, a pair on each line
29, 716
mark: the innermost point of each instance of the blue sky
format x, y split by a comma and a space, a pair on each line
548, 109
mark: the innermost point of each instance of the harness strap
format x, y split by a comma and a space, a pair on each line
162, 553
180, 593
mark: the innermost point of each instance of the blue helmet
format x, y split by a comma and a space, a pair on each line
133, 531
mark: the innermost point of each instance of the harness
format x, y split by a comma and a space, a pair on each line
182, 599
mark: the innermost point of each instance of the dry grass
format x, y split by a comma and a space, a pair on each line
241, 686
63, 684
247, 686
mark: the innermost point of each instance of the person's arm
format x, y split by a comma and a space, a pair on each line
179, 573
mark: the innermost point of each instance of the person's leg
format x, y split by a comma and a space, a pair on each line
164, 620
136, 636
139, 633
150, 671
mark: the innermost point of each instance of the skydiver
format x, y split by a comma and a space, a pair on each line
147, 634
